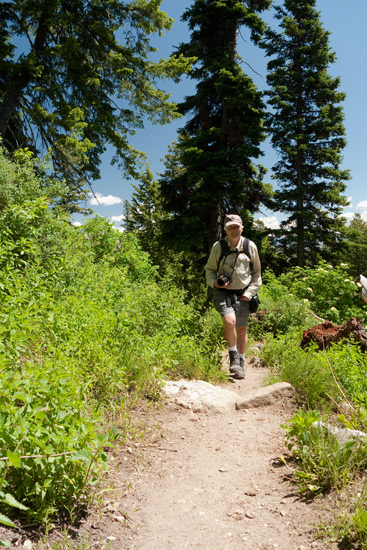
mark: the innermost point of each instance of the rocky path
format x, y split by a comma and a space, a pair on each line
213, 481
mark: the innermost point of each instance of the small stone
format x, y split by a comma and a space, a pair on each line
27, 544
249, 515
111, 538
223, 469
121, 519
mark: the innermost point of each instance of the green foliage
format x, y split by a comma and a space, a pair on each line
327, 290
82, 79
356, 245
280, 311
211, 169
87, 329
306, 371
324, 463
305, 123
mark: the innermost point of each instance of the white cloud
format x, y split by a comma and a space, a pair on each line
118, 218
100, 200
350, 202
121, 229
364, 216
362, 204
271, 222
76, 224
347, 215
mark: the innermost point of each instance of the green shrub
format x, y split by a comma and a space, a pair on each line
323, 463
327, 290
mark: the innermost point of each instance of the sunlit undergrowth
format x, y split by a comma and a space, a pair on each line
331, 387
86, 331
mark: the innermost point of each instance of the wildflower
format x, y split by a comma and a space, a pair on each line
333, 308
344, 265
309, 289
306, 300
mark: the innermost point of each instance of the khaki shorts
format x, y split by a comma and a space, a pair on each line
227, 302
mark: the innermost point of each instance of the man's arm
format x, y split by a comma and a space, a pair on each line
211, 265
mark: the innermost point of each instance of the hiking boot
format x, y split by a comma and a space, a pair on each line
239, 373
234, 361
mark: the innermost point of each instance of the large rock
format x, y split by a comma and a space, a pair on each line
343, 435
267, 396
200, 396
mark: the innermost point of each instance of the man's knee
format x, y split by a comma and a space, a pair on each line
229, 321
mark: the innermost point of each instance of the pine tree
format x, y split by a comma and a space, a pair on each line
213, 171
355, 251
306, 128
144, 215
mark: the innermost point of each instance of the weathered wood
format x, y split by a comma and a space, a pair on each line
325, 333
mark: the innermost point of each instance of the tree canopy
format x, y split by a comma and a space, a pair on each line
305, 122
76, 77
213, 169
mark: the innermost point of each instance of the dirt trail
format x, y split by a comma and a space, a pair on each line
213, 482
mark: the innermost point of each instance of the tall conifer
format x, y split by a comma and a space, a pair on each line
214, 170
306, 128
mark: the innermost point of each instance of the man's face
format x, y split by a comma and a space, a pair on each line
233, 231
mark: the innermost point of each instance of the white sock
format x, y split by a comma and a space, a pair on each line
233, 348
242, 355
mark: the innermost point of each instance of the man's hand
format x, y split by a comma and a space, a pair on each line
228, 283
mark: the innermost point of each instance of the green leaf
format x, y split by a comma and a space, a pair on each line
6, 521
11, 501
14, 459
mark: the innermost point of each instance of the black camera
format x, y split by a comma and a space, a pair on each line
223, 279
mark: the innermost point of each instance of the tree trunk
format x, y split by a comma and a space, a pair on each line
23, 74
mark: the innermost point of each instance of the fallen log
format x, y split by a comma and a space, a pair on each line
326, 333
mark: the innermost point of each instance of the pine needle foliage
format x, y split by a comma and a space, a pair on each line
305, 123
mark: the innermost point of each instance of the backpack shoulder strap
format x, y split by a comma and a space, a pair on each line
224, 250
246, 249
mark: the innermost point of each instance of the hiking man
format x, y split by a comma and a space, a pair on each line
233, 269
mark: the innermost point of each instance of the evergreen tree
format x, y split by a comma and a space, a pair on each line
306, 127
81, 79
144, 215
212, 171
355, 252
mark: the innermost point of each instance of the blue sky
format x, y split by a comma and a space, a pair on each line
346, 23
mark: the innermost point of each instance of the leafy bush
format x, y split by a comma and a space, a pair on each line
324, 464
328, 291
86, 329
280, 311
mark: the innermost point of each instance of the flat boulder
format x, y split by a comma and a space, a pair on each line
267, 396
199, 396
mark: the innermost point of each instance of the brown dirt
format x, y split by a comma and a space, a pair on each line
205, 482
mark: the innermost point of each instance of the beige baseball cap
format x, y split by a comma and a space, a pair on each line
232, 219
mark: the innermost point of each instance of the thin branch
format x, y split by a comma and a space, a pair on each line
41, 456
